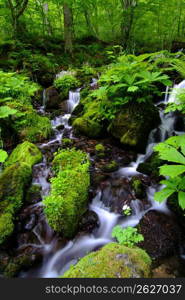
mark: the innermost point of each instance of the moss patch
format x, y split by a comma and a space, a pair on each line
26, 153
112, 261
13, 182
69, 191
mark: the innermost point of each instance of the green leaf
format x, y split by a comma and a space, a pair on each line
132, 89
181, 199
163, 194
169, 153
172, 170
3, 156
6, 111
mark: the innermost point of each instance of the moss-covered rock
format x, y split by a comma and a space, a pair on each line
32, 127
112, 261
110, 167
138, 187
67, 201
133, 124
13, 183
151, 165
27, 153
67, 142
33, 194
87, 127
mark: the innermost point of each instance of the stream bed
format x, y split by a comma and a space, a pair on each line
57, 254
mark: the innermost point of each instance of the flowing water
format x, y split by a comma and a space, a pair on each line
57, 257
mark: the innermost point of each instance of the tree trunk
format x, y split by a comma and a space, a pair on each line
68, 28
128, 7
17, 11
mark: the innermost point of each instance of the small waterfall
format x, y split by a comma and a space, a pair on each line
176, 88
74, 99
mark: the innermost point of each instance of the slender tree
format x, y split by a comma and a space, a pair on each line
68, 26
17, 8
128, 7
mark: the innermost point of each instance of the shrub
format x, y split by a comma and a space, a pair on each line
173, 152
69, 191
128, 236
66, 83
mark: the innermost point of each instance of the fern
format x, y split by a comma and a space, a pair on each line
172, 151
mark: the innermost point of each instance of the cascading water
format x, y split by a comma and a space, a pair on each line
58, 258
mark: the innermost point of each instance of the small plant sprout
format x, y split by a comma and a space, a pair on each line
127, 236
127, 211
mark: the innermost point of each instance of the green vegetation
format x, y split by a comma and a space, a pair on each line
13, 183
172, 151
69, 191
127, 237
112, 261
66, 83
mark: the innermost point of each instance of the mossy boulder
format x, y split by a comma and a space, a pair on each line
29, 125
53, 98
89, 123
14, 180
27, 153
110, 167
33, 194
67, 201
151, 165
133, 124
112, 261
88, 127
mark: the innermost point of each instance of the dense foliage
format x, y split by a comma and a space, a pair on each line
173, 152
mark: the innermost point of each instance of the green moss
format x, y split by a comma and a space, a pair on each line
87, 127
69, 191
33, 194
25, 152
138, 187
32, 127
151, 165
112, 261
67, 142
6, 226
13, 182
66, 83
110, 167
134, 123
100, 148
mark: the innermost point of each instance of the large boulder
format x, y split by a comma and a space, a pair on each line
161, 234
53, 98
112, 261
151, 165
14, 181
133, 124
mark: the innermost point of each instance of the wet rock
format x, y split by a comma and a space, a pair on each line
33, 194
138, 187
168, 268
151, 166
117, 193
53, 98
31, 223
89, 222
161, 234
173, 205
110, 167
